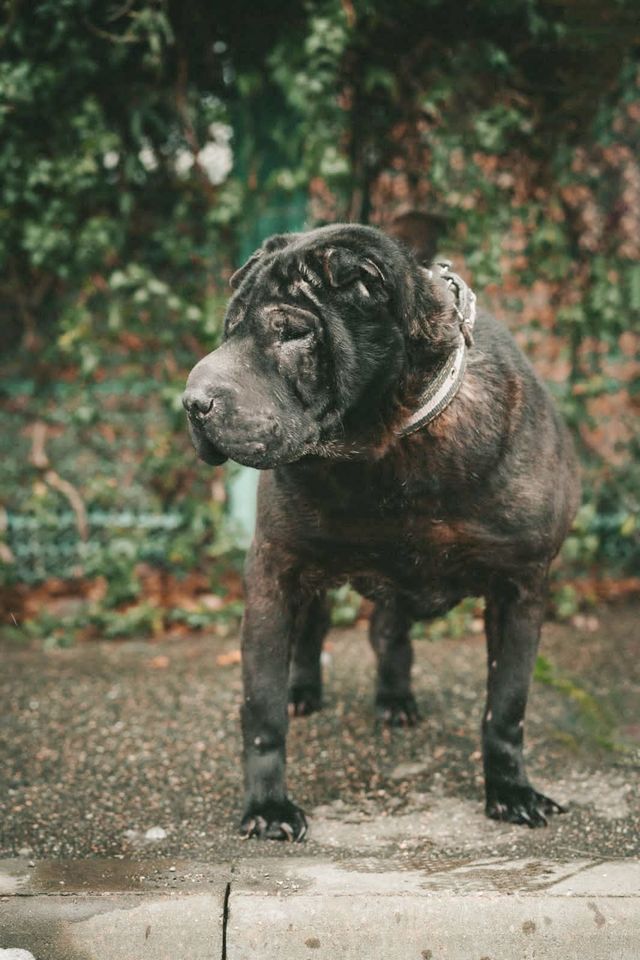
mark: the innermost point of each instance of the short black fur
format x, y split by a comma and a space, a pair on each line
331, 337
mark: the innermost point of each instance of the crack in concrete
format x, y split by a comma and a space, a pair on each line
225, 920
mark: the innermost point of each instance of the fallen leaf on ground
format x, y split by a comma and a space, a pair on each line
228, 659
161, 662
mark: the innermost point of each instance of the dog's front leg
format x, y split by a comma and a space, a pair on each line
270, 612
513, 620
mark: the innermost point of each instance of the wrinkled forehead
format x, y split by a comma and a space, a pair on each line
341, 267
278, 280
286, 268
296, 274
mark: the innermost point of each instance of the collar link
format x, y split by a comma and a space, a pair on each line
447, 379
464, 299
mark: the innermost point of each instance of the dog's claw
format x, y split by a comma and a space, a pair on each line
400, 711
524, 817
254, 827
516, 803
287, 829
304, 700
277, 821
301, 708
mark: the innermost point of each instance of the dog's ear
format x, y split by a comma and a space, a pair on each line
277, 242
236, 278
342, 266
432, 316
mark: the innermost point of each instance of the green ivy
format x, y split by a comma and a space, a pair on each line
115, 243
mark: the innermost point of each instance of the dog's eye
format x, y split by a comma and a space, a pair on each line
295, 331
292, 325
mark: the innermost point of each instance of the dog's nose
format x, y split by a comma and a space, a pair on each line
196, 402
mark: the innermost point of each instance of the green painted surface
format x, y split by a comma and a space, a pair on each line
282, 214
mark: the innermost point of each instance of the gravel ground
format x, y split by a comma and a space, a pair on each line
101, 743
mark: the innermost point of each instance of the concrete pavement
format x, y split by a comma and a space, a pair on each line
120, 790
492, 909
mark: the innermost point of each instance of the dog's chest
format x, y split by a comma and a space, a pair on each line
397, 542
349, 524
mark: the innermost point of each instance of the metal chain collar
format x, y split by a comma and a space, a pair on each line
447, 379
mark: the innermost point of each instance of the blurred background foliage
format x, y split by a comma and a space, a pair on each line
147, 146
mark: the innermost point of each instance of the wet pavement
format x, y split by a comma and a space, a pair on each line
103, 742
120, 796
298, 907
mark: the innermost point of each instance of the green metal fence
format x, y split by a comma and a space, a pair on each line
51, 546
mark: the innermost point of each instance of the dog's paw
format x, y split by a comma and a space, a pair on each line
520, 803
396, 710
274, 821
304, 699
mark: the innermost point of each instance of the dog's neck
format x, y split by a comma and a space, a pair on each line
446, 378
442, 387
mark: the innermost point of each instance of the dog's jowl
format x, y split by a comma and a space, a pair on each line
407, 446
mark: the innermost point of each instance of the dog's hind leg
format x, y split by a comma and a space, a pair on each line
389, 636
305, 674
513, 618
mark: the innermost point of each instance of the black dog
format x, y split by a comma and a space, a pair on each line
403, 450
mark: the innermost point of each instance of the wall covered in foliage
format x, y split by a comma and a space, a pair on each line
146, 147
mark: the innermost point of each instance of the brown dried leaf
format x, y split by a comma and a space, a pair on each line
161, 662
229, 659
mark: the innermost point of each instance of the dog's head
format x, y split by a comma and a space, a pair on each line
319, 333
